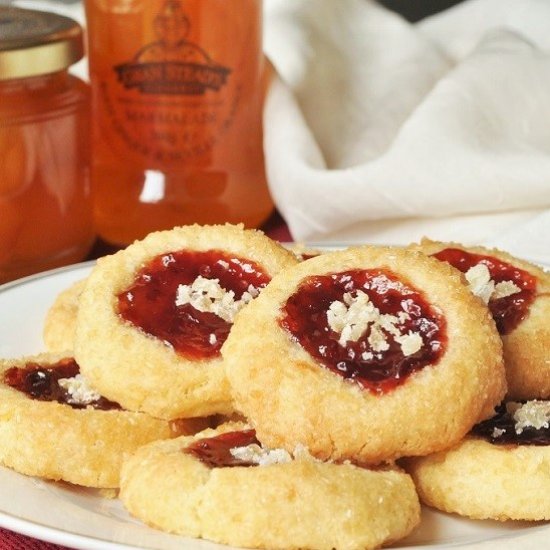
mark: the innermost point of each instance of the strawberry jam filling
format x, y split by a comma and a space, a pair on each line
508, 311
172, 298
501, 430
43, 383
215, 452
397, 332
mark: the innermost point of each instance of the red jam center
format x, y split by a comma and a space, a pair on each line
216, 451
150, 303
507, 312
42, 383
500, 430
305, 317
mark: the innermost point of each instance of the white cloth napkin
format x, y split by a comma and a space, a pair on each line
382, 131
378, 130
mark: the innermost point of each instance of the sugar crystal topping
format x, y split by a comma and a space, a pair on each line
207, 295
497, 432
533, 414
481, 284
352, 317
258, 455
80, 393
261, 456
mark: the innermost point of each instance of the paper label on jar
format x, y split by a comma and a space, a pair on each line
172, 64
171, 98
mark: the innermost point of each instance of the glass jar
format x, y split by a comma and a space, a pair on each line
45, 202
177, 113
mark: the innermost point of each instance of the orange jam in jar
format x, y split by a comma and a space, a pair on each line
177, 114
45, 202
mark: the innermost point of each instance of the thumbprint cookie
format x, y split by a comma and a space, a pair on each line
501, 470
54, 425
60, 323
518, 295
222, 485
370, 353
153, 317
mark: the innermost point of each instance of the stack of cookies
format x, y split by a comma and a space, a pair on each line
501, 469
236, 392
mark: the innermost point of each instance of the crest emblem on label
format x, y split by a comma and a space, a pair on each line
172, 64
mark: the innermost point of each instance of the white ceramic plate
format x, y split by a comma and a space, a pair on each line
82, 518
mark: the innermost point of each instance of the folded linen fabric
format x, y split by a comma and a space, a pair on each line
380, 130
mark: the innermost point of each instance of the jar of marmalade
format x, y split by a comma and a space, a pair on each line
177, 111
45, 203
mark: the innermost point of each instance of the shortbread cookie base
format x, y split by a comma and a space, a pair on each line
138, 370
527, 347
484, 481
82, 446
527, 353
60, 323
290, 399
301, 504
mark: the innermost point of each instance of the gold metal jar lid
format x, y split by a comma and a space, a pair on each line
34, 42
